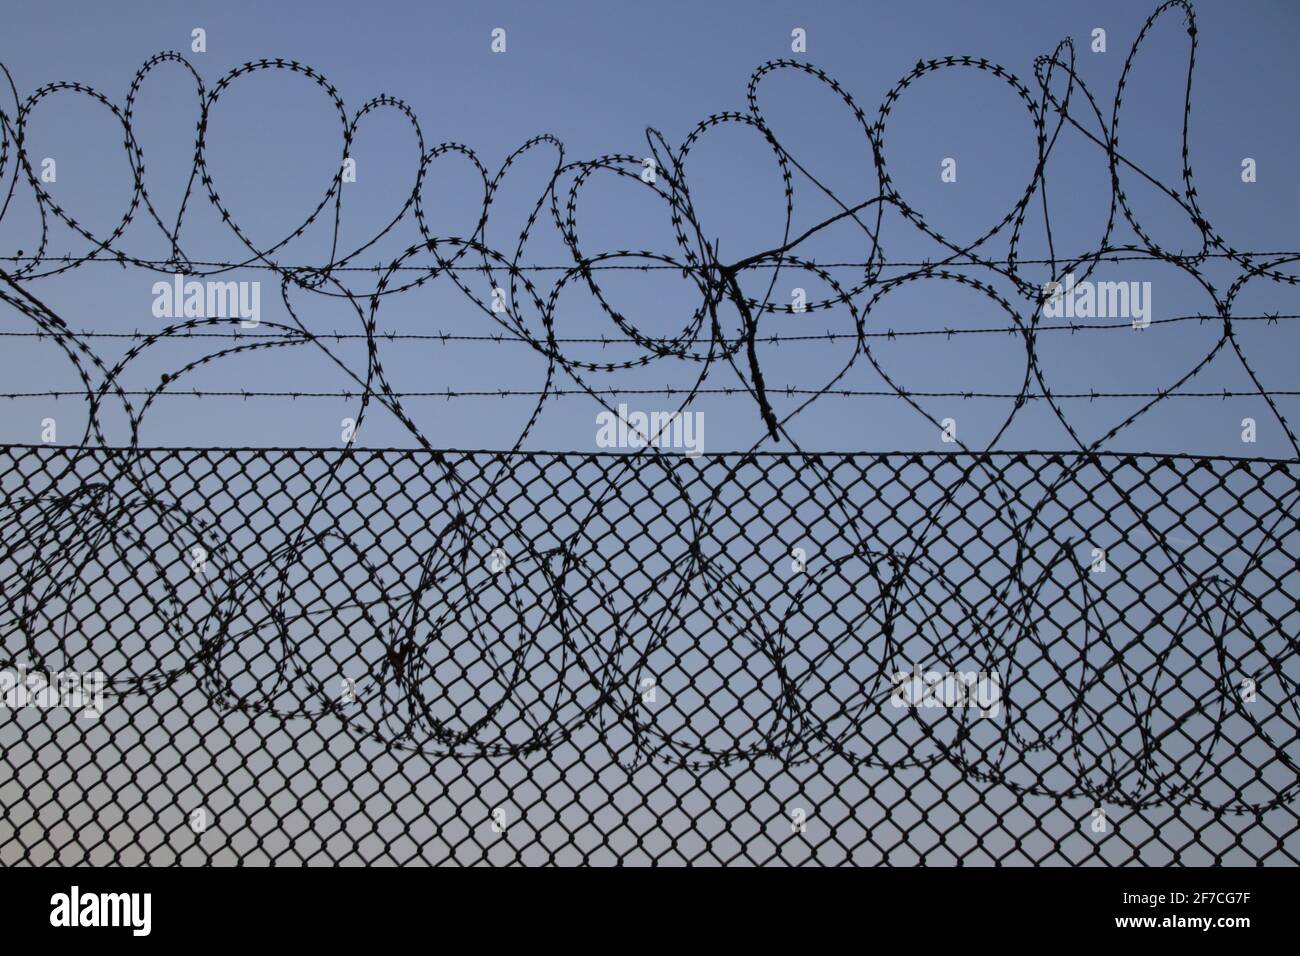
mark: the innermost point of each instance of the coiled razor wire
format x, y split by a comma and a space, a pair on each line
530, 613
724, 329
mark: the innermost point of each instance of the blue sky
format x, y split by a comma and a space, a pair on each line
596, 76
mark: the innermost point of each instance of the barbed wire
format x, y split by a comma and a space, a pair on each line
109, 489
666, 391
1126, 254
1272, 318
723, 331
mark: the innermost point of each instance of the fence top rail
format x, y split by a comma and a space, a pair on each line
1007, 454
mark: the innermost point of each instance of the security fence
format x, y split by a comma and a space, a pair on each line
355, 656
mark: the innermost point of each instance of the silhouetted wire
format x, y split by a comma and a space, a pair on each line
721, 333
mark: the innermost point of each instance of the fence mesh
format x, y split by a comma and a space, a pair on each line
411, 657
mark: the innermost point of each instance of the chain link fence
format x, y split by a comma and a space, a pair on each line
410, 657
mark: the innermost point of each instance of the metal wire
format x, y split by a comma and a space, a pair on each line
651, 659
423, 655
